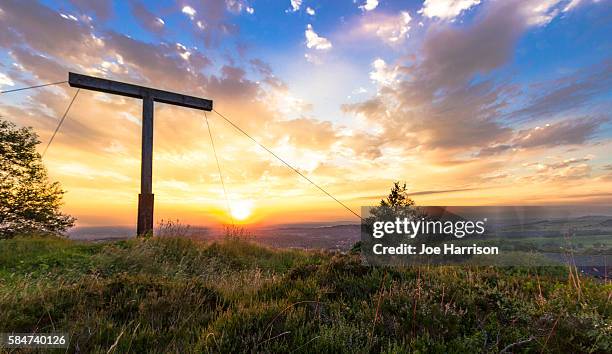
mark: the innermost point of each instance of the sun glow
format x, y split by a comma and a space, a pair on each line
241, 209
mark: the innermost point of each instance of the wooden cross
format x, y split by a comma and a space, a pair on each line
148, 96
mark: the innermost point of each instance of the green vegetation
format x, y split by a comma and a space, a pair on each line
178, 295
29, 202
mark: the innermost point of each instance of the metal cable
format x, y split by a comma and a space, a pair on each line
212, 143
287, 164
60, 123
32, 87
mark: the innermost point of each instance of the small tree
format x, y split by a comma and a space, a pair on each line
397, 204
29, 202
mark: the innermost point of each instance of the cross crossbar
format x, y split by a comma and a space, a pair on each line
136, 91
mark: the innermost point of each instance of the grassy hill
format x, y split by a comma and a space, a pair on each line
177, 295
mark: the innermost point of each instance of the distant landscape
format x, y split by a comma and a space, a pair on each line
592, 236
590, 231
310, 236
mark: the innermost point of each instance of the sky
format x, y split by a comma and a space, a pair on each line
469, 102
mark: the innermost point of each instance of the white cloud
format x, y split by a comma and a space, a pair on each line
369, 5
391, 29
69, 17
183, 52
189, 11
313, 40
540, 12
295, 5
310, 11
572, 4
237, 6
446, 9
382, 74
5, 80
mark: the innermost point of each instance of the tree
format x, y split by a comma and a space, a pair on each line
29, 202
397, 205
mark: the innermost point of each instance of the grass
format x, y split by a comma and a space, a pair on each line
178, 295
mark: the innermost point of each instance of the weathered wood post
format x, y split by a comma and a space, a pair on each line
148, 96
146, 198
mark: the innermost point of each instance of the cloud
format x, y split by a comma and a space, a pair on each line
299, 132
268, 76
575, 131
79, 170
295, 5
40, 27
365, 145
427, 192
564, 170
42, 67
101, 9
393, 29
382, 74
313, 58
146, 18
433, 103
5, 80
575, 3
158, 63
571, 5
453, 55
189, 11
494, 150
568, 92
566, 132
80, 49
369, 5
313, 40
237, 6
369, 108
310, 11
446, 9
211, 20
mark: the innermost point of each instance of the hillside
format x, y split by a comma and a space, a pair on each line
177, 295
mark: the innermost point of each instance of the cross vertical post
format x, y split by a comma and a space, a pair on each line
148, 96
146, 198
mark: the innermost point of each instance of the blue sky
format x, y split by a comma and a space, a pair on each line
506, 100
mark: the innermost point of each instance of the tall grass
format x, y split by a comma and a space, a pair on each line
179, 295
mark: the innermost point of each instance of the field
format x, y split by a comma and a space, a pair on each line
179, 295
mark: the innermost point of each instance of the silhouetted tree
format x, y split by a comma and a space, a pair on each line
396, 204
29, 202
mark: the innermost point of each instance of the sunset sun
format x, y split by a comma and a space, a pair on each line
241, 210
